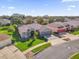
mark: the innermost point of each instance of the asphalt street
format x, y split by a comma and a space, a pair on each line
61, 51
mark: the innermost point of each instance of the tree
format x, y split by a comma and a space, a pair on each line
51, 19
40, 20
17, 18
59, 18
5, 17
28, 20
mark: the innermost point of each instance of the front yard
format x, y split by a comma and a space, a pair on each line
7, 30
76, 32
27, 44
10, 30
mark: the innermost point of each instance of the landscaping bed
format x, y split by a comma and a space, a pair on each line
41, 48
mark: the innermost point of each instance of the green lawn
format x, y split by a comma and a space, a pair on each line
41, 48
75, 32
10, 30
27, 44
7, 30
75, 56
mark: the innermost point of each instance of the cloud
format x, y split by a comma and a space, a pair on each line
71, 7
69, 0
2, 7
11, 7
7, 7
32, 11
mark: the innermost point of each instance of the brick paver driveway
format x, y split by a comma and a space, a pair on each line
61, 51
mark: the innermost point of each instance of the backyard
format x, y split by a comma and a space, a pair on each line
10, 30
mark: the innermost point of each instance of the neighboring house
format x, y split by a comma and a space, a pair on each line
61, 27
74, 23
57, 27
25, 30
5, 40
44, 32
67, 19
72, 19
11, 52
4, 22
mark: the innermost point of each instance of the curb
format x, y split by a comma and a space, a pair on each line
73, 55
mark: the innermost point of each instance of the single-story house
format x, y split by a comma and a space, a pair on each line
74, 23
72, 19
44, 31
5, 40
25, 30
57, 27
11, 52
60, 27
4, 22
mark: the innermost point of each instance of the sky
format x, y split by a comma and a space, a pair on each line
40, 7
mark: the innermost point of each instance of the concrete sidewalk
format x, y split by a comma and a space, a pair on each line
56, 41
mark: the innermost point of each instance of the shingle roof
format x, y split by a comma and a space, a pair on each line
11, 52
44, 29
24, 28
55, 24
4, 21
73, 23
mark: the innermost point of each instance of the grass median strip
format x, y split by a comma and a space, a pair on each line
75, 56
41, 48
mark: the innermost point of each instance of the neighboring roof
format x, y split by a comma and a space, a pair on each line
74, 23
4, 21
55, 24
24, 28
61, 51
4, 37
73, 19
44, 29
11, 52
